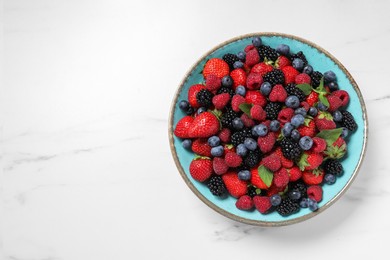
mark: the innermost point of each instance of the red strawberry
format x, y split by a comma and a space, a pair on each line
281, 178
252, 57
302, 78
309, 129
253, 81
219, 166
262, 203
319, 145
266, 143
239, 77
192, 91
286, 163
343, 95
204, 125
221, 100
237, 100
337, 150
228, 148
201, 169
213, 83
217, 67
324, 120
255, 97
312, 98
313, 177
278, 94
225, 135
314, 192
256, 180
183, 126
245, 202
200, 146
248, 122
235, 186
232, 159
310, 161
334, 103
249, 48
258, 113
274, 190
282, 62
285, 115
272, 162
295, 173
289, 74
262, 68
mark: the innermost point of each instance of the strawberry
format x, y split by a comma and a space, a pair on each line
285, 115
183, 126
258, 113
262, 203
343, 95
312, 98
213, 83
282, 62
334, 103
337, 150
274, 190
313, 177
252, 57
217, 67
310, 161
278, 94
286, 163
253, 81
294, 173
237, 100
234, 185
314, 192
225, 135
262, 68
245, 202
256, 180
302, 78
281, 178
201, 147
255, 97
324, 120
272, 162
308, 129
201, 168
289, 74
248, 122
232, 159
221, 100
267, 142
228, 148
219, 166
204, 125
319, 145
239, 77
192, 91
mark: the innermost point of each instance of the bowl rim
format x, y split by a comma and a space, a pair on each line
261, 222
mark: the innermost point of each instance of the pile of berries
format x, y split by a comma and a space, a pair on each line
266, 128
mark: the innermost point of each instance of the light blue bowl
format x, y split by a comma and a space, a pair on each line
322, 61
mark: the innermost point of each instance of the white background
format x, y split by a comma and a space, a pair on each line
86, 170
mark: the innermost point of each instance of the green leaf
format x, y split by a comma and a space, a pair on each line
330, 136
302, 163
306, 88
246, 108
265, 175
323, 100
335, 152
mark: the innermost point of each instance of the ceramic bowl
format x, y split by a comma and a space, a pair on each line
322, 61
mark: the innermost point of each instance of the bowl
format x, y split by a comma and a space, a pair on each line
322, 61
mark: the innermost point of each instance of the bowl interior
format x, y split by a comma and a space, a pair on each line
321, 61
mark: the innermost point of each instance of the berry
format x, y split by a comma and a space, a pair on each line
192, 95
221, 100
282, 62
334, 102
239, 137
257, 42
228, 90
299, 186
227, 81
310, 161
213, 83
262, 68
333, 86
313, 111
329, 178
219, 166
344, 132
313, 177
266, 143
228, 117
316, 77
187, 143
302, 78
234, 186
183, 126
248, 122
230, 59
238, 65
241, 55
292, 101
313, 206
278, 94
290, 74
294, 195
255, 97
237, 123
201, 169
201, 110
312, 98
253, 191
216, 186
321, 106
239, 77
262, 203
265, 88
252, 158
274, 77
304, 203
283, 49
285, 115
204, 125
308, 70
217, 151
254, 81
214, 141
272, 162
272, 110
348, 121
189, 111
298, 64
232, 159
299, 55
306, 143
295, 135
217, 67
241, 150
314, 192
252, 58
324, 120
290, 149
224, 135
274, 126
333, 166
244, 175
329, 76
275, 199
258, 113
319, 145
267, 52
259, 130
184, 105
308, 129
301, 111
337, 116
343, 95
250, 144
294, 173
245, 202
240, 90
287, 207
292, 90
201, 147
237, 100
287, 129
281, 178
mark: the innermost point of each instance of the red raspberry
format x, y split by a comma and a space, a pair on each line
343, 95
262, 203
237, 100
255, 97
225, 135
319, 145
262, 68
248, 122
278, 94
286, 163
334, 103
272, 162
258, 113
266, 143
249, 48
245, 202
232, 159
314, 192
281, 178
252, 57
219, 166
285, 115
253, 81
221, 100
213, 83
289, 74
302, 78
283, 61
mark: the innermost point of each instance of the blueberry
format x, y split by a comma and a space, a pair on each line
187, 143
274, 125
201, 110
190, 111
333, 86
321, 106
276, 199
298, 64
304, 203
313, 111
241, 150
217, 151
238, 64
294, 195
259, 130
287, 129
265, 88
257, 42
240, 90
301, 111
237, 123
297, 120
244, 175
241, 55
329, 178
308, 69
227, 81
295, 135
214, 141
337, 116
184, 105
306, 143
292, 101
344, 132
313, 206
329, 76
283, 49
250, 143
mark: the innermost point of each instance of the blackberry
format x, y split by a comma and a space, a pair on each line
348, 121
226, 90
227, 118
292, 90
290, 148
204, 98
230, 59
301, 56
333, 166
252, 158
287, 207
272, 110
267, 52
316, 77
216, 186
253, 191
299, 186
239, 137
274, 77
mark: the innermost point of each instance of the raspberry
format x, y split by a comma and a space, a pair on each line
262, 203
314, 192
245, 202
232, 159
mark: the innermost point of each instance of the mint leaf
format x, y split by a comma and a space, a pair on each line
330, 136
323, 100
246, 108
265, 175
306, 88
302, 163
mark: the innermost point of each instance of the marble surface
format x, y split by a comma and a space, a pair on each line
86, 170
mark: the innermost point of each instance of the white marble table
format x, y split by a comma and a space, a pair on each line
86, 167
